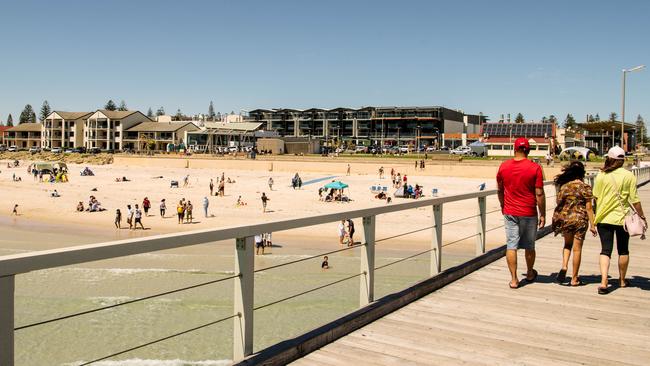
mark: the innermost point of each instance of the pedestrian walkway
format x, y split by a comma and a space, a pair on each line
479, 320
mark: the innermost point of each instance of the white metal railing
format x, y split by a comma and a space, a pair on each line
243, 311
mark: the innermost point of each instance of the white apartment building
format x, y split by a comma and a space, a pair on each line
64, 129
105, 129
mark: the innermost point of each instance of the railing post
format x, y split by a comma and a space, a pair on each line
7, 320
367, 280
243, 300
480, 227
436, 241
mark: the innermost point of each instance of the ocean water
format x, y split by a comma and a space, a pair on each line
56, 292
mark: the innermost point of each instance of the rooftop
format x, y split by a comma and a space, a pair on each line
27, 127
160, 126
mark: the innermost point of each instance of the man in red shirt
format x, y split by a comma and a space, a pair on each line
521, 194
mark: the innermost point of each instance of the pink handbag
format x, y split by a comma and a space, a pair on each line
634, 224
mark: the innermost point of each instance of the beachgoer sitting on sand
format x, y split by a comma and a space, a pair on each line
55, 194
240, 202
230, 180
80, 207
325, 264
381, 196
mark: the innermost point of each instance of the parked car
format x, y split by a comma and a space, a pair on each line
232, 149
79, 150
68, 151
34, 149
12, 148
430, 149
461, 150
56, 150
3, 148
94, 150
361, 149
404, 149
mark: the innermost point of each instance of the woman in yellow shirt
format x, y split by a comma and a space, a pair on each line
612, 181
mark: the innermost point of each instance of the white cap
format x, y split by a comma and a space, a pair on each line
616, 153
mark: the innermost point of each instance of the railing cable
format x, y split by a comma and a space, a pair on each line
124, 303
404, 259
308, 291
308, 258
160, 340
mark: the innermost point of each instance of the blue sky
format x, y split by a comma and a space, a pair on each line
538, 58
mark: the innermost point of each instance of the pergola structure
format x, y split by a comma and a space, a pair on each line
602, 135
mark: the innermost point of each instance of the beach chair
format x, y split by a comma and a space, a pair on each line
373, 189
385, 189
173, 184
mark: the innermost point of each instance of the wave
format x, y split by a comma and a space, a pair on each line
141, 362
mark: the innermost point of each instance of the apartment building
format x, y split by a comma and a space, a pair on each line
64, 129
105, 129
156, 136
25, 135
390, 125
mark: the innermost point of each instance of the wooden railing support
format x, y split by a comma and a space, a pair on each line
480, 227
7, 320
367, 279
436, 241
244, 297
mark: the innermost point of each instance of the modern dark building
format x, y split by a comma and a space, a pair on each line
372, 125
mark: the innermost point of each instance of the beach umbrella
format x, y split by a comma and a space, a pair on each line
336, 185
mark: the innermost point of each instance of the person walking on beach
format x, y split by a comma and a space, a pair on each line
180, 211
614, 191
129, 216
521, 194
146, 205
211, 186
188, 212
186, 181
138, 218
222, 187
572, 217
265, 199
259, 245
381, 172
351, 232
348, 170
417, 163
118, 219
15, 210
163, 208
270, 183
206, 203
341, 232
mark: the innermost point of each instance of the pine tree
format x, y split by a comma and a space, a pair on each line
597, 118
520, 118
110, 105
160, 111
211, 113
590, 118
552, 119
641, 130
122, 106
149, 113
544, 119
10, 120
179, 115
45, 110
27, 115
569, 122
613, 116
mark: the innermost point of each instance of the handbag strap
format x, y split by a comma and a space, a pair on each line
618, 196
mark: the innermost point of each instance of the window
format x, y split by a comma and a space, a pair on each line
542, 147
117, 133
117, 123
497, 147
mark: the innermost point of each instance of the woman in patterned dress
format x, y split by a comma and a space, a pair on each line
573, 216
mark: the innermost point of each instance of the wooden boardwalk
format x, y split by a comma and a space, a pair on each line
479, 320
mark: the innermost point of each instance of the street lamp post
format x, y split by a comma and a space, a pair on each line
625, 71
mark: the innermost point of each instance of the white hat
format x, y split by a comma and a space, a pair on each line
616, 153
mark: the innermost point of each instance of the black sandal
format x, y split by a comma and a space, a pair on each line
603, 290
561, 276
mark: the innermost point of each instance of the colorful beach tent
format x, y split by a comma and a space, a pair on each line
336, 185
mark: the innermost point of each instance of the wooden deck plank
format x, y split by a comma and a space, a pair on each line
479, 320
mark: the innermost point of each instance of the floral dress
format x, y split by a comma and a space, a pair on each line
570, 215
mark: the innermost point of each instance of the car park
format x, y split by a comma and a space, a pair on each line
56, 150
79, 150
360, 149
34, 149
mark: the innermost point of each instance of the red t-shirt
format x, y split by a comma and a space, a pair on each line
518, 180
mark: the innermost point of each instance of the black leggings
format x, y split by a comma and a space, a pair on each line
606, 233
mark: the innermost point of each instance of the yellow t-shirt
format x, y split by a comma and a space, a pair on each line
608, 208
